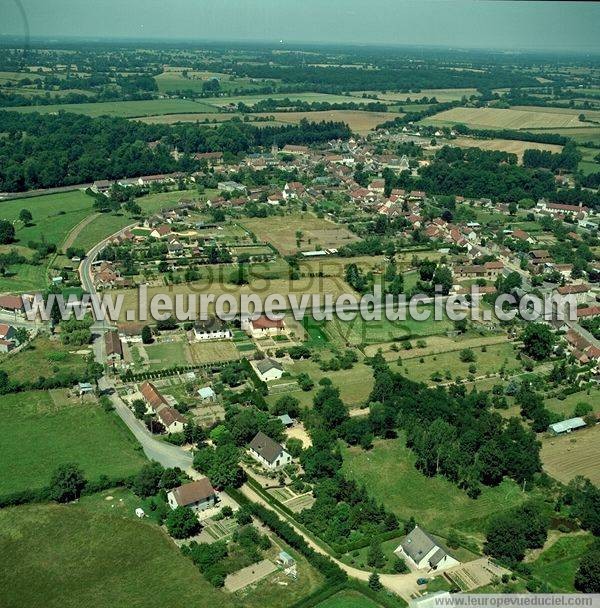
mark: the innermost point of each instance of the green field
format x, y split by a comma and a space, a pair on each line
23, 277
80, 557
41, 358
54, 215
42, 430
348, 599
123, 109
558, 564
438, 505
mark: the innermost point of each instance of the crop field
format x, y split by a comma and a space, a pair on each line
495, 118
359, 121
317, 233
580, 134
388, 470
260, 286
44, 429
123, 109
505, 145
573, 454
558, 564
250, 100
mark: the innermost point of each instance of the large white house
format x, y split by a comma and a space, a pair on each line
268, 452
211, 329
198, 495
423, 552
263, 327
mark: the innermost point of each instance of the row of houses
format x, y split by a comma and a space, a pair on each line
169, 417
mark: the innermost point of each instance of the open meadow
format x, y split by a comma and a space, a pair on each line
44, 429
576, 453
388, 470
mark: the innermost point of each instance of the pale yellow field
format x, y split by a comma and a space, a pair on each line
505, 145
495, 118
317, 233
359, 121
577, 453
439, 94
261, 287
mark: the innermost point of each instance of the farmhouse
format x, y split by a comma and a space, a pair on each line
264, 327
211, 329
580, 292
171, 419
423, 552
268, 369
7, 332
12, 304
113, 346
539, 256
197, 495
268, 452
489, 270
292, 190
100, 186
566, 426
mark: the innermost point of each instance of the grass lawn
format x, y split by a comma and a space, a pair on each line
558, 564
80, 557
489, 362
54, 215
42, 358
348, 599
23, 278
101, 227
388, 471
212, 351
42, 430
565, 407
164, 355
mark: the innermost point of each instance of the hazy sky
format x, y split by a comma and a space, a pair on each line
457, 23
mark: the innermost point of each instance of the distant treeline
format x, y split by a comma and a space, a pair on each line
43, 151
403, 77
296, 105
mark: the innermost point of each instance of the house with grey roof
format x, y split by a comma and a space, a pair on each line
268, 452
268, 369
423, 552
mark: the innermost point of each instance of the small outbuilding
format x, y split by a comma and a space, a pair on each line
206, 393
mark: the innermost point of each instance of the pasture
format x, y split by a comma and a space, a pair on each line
316, 233
505, 145
495, 118
44, 429
440, 94
576, 453
122, 109
390, 474
348, 599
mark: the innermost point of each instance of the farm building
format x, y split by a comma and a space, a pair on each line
423, 552
113, 346
84, 388
12, 304
286, 420
198, 495
268, 452
169, 417
268, 369
566, 426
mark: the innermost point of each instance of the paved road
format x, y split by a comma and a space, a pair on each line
404, 585
168, 455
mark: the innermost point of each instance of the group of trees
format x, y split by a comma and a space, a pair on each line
41, 151
568, 158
